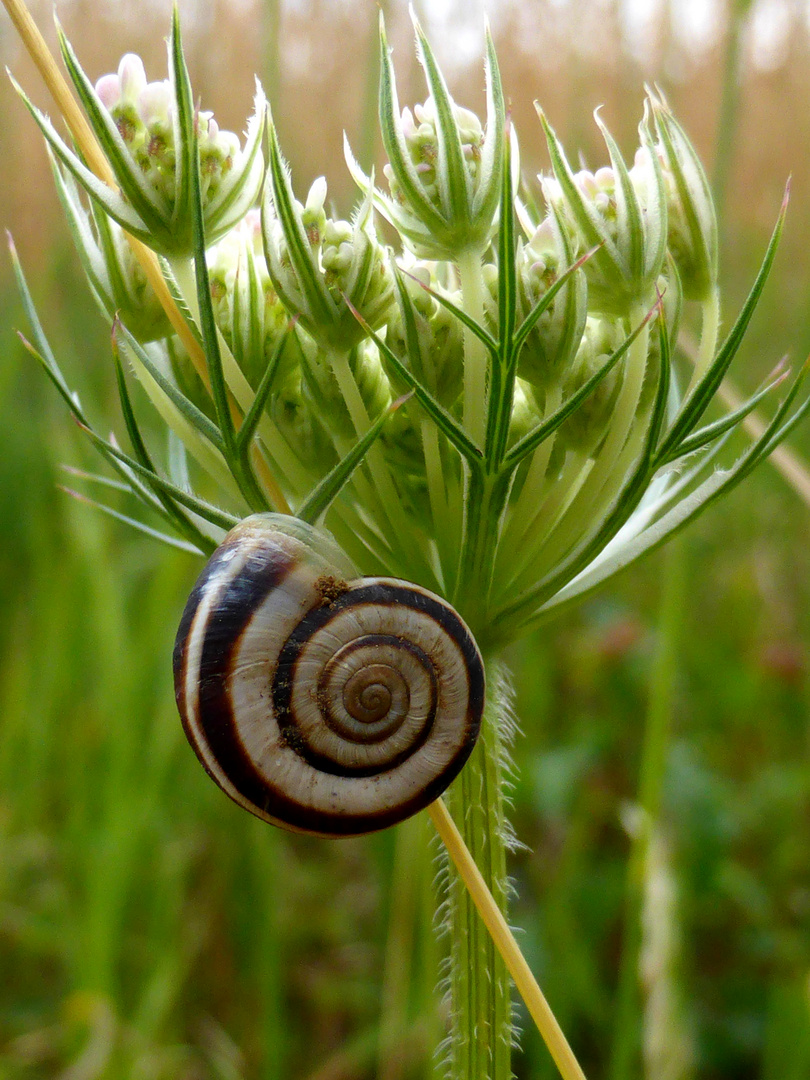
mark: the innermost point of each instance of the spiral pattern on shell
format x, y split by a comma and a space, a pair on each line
325, 705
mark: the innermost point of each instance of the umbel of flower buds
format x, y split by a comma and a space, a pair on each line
144, 129
323, 268
620, 212
538, 346
442, 166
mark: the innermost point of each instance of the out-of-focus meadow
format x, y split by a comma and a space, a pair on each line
151, 929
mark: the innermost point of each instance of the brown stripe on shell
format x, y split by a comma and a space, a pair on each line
397, 594
282, 809
284, 680
221, 557
265, 569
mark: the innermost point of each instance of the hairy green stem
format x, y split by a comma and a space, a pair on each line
479, 1046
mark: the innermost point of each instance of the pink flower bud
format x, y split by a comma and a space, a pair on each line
108, 89
132, 76
155, 103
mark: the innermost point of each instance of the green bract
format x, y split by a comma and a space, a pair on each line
692, 235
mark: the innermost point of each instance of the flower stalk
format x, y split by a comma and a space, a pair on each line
475, 369
479, 986
507, 946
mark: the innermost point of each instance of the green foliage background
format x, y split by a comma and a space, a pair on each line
149, 928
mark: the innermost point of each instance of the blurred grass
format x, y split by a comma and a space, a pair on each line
149, 928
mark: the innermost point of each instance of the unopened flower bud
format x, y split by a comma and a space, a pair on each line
443, 168
620, 212
296, 415
525, 414
586, 427
318, 264
437, 360
692, 237
145, 115
553, 342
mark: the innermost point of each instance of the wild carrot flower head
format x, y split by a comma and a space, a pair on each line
497, 406
145, 116
621, 211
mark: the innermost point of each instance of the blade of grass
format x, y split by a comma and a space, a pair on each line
133, 523
625, 1048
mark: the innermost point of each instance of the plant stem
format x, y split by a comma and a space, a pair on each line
653, 765
504, 941
480, 992
475, 354
483, 952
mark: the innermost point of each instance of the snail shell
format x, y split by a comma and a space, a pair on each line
325, 705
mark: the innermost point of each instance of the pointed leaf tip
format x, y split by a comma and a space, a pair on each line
400, 401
